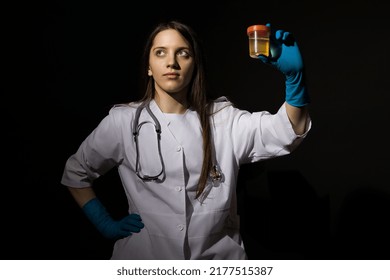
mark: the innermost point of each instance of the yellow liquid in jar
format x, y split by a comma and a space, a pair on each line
258, 46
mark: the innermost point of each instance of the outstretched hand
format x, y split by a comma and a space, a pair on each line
284, 53
286, 57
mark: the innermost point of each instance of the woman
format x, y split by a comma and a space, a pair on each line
178, 153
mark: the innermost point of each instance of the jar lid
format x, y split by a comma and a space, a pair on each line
258, 27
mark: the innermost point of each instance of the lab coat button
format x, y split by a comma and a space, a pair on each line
178, 189
180, 227
178, 149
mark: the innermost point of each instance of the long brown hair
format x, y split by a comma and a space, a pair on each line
197, 95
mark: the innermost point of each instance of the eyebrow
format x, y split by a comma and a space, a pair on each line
179, 48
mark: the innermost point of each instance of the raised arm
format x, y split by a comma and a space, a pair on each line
286, 57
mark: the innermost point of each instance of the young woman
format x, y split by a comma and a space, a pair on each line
178, 153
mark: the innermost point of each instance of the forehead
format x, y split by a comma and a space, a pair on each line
170, 38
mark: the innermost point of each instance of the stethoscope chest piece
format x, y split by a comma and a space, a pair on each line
216, 174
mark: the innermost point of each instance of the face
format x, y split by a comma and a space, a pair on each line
171, 63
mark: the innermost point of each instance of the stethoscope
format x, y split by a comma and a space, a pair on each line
215, 174
136, 129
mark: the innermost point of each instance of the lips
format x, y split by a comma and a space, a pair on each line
171, 74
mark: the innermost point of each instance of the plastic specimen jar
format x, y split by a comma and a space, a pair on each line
258, 40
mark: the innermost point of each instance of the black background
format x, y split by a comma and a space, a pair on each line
68, 62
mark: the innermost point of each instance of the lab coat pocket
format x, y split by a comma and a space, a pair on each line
208, 223
225, 247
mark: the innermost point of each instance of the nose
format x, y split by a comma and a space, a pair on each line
172, 62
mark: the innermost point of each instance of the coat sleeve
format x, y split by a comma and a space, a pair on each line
101, 151
259, 135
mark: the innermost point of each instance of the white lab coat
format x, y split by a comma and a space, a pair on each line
177, 226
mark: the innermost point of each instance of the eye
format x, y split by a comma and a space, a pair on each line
184, 53
159, 52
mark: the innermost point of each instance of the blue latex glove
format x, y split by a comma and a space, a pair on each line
108, 227
286, 57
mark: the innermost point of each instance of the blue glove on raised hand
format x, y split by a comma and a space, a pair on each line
108, 227
286, 57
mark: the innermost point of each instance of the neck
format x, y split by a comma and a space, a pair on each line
171, 104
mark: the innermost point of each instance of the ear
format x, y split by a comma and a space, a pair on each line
150, 72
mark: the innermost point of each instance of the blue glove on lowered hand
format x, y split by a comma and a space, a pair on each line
108, 227
286, 57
